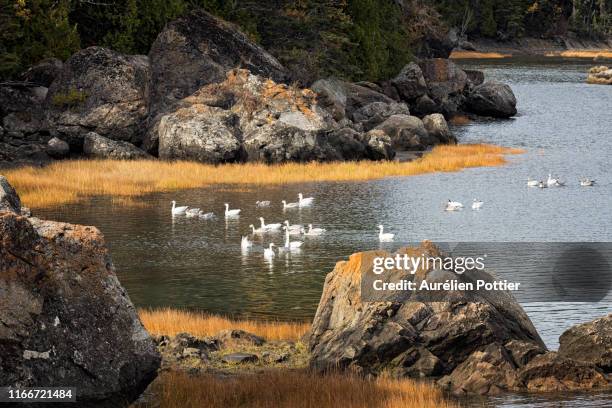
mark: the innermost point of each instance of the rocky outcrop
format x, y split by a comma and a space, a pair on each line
196, 50
600, 75
590, 342
407, 132
102, 91
9, 200
472, 342
247, 117
410, 83
97, 146
492, 99
66, 320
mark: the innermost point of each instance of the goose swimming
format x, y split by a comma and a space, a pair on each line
477, 204
453, 206
192, 212
554, 182
231, 213
384, 236
291, 244
269, 227
178, 210
246, 243
289, 205
585, 182
312, 232
262, 203
304, 201
532, 183
293, 226
206, 216
269, 252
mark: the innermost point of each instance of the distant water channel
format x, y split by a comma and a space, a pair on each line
565, 126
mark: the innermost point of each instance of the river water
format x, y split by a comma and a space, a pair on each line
562, 123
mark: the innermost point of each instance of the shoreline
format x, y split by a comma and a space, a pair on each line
73, 181
536, 47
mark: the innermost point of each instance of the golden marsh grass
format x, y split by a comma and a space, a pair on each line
458, 54
76, 180
170, 322
292, 389
582, 54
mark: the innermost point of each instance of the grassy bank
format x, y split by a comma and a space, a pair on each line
291, 389
72, 181
170, 322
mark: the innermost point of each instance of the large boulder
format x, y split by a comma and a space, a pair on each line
196, 50
590, 342
409, 335
103, 91
21, 107
410, 83
57, 148
66, 319
9, 200
407, 132
247, 117
343, 99
492, 99
443, 77
100, 147
436, 126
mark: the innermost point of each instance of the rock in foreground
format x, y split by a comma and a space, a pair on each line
66, 320
590, 342
476, 342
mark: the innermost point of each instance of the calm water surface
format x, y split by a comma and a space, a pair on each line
563, 124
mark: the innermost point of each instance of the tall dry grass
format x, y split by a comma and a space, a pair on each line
170, 322
71, 181
459, 54
582, 54
292, 389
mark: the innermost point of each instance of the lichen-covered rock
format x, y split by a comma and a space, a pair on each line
202, 133
436, 126
66, 319
247, 117
590, 342
101, 147
57, 148
342, 99
406, 132
9, 200
103, 91
196, 50
410, 83
373, 114
492, 99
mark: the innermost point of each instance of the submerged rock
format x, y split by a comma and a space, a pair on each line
492, 99
66, 318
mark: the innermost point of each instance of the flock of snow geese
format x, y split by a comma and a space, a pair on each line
292, 230
550, 182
